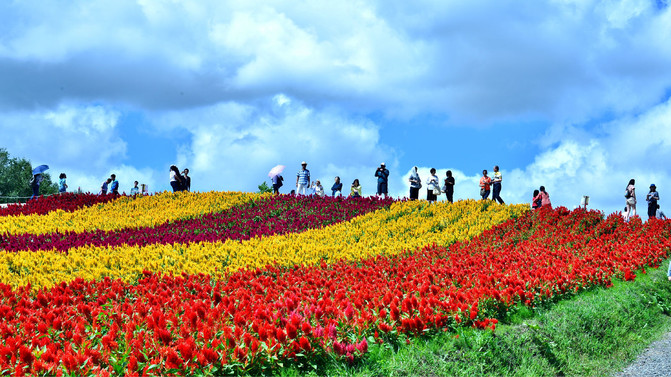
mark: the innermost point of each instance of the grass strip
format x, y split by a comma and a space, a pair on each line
595, 333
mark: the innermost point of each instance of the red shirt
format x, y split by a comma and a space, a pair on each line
485, 182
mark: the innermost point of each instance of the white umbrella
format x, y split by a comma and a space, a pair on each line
277, 170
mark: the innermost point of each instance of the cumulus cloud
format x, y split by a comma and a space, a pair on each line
234, 146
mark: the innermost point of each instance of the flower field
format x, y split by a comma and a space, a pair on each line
217, 283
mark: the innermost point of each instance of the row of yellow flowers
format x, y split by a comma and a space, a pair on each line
404, 226
126, 212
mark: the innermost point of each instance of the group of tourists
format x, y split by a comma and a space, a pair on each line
652, 198
305, 186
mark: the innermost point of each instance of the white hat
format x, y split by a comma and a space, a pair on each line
304, 163
383, 164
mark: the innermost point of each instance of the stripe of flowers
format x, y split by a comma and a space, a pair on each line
278, 214
192, 322
68, 202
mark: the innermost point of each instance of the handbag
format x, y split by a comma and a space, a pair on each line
482, 191
436, 190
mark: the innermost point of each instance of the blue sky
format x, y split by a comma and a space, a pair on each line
570, 94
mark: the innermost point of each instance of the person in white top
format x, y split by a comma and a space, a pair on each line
630, 196
319, 189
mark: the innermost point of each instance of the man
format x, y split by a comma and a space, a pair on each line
496, 183
187, 180
652, 198
303, 179
114, 186
382, 175
135, 190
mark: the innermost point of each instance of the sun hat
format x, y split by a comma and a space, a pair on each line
382, 164
304, 163
653, 185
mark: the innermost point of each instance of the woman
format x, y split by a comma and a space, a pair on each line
62, 185
652, 198
175, 179
35, 185
355, 191
415, 184
485, 183
337, 187
187, 180
319, 189
449, 186
536, 200
104, 186
630, 195
432, 186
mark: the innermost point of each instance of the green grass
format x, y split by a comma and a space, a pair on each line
595, 333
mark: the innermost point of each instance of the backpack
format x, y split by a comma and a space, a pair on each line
279, 181
627, 194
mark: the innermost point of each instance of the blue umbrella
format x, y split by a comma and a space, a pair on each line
40, 169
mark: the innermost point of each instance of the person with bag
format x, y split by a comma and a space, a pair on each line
652, 198
630, 197
448, 188
432, 186
35, 185
485, 183
415, 184
277, 183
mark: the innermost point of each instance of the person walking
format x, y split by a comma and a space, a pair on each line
336, 189
277, 183
382, 175
35, 185
186, 184
630, 197
104, 186
432, 186
114, 185
355, 190
496, 185
485, 183
62, 185
175, 179
652, 198
415, 183
449, 186
303, 179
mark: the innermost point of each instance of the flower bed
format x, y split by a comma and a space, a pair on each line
66, 202
255, 319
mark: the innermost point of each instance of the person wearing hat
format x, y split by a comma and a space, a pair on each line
652, 198
303, 179
382, 175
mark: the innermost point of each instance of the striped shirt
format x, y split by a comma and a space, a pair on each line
303, 177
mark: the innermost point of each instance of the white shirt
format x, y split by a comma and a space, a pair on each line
173, 176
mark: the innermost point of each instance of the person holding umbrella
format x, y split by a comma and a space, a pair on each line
276, 178
36, 180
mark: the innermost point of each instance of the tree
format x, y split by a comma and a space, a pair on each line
264, 188
15, 174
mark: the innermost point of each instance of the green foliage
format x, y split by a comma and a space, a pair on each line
264, 188
15, 174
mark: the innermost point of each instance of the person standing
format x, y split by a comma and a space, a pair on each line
114, 186
449, 186
630, 196
175, 179
536, 200
432, 186
382, 175
277, 183
496, 185
355, 190
104, 186
337, 187
35, 185
62, 185
652, 198
544, 197
135, 189
187, 180
415, 184
303, 179
485, 183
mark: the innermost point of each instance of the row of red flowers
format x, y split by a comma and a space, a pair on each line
253, 320
278, 214
67, 202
